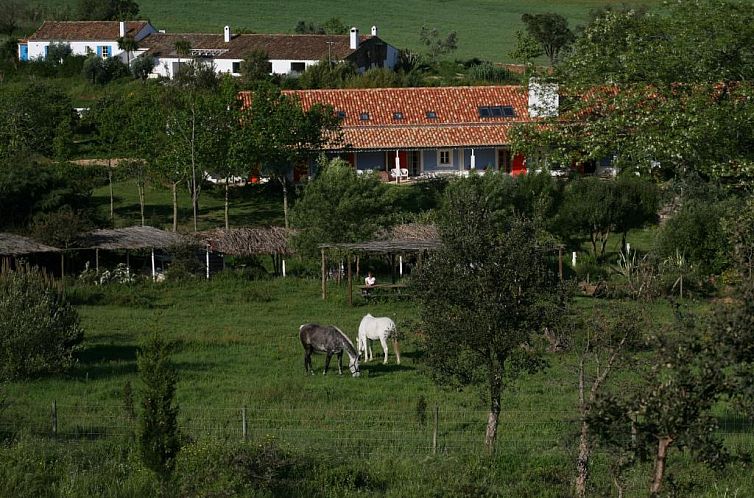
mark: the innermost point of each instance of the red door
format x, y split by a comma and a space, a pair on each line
403, 156
519, 165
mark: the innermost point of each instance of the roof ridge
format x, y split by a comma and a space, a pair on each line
463, 87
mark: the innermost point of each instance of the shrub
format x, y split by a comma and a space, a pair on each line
696, 234
38, 331
184, 262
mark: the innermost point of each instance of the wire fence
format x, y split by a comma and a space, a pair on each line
403, 430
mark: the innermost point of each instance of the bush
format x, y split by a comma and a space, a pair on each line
184, 262
38, 331
697, 235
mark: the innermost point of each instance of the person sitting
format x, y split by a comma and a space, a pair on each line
369, 281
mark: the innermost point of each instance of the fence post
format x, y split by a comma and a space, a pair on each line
54, 415
434, 429
244, 424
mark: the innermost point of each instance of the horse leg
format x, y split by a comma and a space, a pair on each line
340, 362
397, 351
327, 363
369, 345
308, 361
383, 343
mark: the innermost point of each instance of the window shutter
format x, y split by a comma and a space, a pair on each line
99, 51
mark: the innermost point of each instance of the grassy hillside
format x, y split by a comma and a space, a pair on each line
485, 28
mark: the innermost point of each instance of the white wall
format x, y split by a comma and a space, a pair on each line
164, 66
37, 48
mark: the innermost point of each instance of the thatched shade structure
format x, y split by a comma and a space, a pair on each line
17, 245
132, 238
249, 241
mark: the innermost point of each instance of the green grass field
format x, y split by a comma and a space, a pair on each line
485, 28
237, 346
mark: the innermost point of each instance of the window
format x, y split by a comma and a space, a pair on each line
236, 67
341, 114
431, 115
444, 157
364, 116
105, 53
496, 111
298, 67
47, 50
397, 116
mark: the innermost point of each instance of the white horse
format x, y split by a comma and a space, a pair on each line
381, 328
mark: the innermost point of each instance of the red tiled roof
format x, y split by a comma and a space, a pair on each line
277, 46
85, 30
457, 108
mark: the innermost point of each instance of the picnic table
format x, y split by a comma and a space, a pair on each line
384, 290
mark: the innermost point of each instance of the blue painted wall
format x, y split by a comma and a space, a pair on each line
484, 158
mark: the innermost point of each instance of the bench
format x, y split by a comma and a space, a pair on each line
384, 290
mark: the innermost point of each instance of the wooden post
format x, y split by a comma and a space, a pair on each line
154, 272
128, 264
207, 261
96, 260
350, 282
244, 424
324, 275
54, 416
358, 273
283, 268
400, 265
392, 268
560, 262
434, 429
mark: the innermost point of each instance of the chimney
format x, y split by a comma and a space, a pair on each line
543, 99
374, 30
122, 29
354, 39
227, 34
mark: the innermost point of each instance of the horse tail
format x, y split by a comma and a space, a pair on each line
397, 351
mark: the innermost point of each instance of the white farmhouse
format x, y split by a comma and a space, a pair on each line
84, 37
287, 54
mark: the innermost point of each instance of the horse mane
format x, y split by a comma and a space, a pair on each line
348, 340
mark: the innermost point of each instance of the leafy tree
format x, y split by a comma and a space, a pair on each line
604, 348
39, 331
359, 203
333, 26
739, 228
255, 67
58, 51
671, 408
107, 10
142, 67
159, 440
550, 31
279, 134
129, 45
327, 75
675, 112
526, 48
437, 44
63, 228
199, 126
10, 16
109, 116
484, 294
593, 207
31, 118
696, 233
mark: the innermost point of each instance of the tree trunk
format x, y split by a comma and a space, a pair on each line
175, 206
496, 384
605, 236
193, 163
285, 200
226, 204
594, 244
110, 182
662, 450
141, 203
582, 463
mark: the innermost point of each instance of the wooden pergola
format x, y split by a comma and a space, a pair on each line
389, 248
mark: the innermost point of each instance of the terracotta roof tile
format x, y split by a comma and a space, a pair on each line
457, 124
84, 30
277, 46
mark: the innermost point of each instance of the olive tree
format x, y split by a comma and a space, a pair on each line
484, 294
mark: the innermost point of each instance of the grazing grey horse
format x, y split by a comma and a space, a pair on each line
329, 340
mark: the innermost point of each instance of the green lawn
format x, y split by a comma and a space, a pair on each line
485, 28
237, 346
